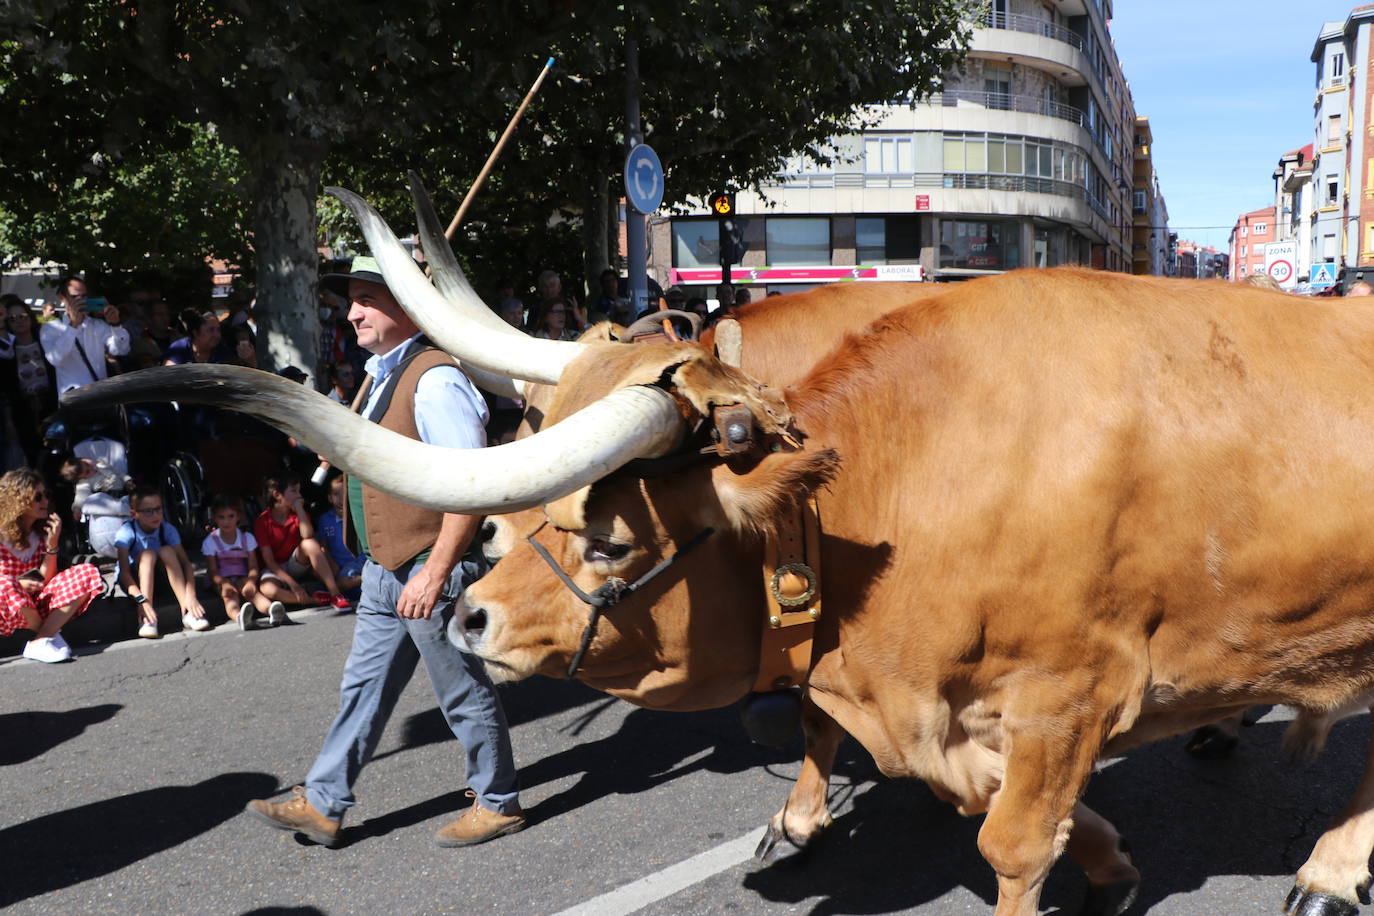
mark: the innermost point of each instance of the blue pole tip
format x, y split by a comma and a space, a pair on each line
549, 63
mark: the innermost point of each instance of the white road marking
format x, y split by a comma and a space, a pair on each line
652, 888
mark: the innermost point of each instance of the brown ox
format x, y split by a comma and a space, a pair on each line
1064, 513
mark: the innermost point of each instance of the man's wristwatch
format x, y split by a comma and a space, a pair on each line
140, 599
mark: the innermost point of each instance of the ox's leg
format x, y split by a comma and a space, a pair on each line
807, 811
1218, 740
1336, 876
1099, 850
1029, 820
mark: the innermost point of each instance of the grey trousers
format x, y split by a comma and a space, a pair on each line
384, 654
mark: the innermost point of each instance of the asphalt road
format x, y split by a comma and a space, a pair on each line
125, 774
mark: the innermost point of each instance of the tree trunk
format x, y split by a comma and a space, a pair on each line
285, 229
595, 230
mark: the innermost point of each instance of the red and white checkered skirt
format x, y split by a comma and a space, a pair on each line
82, 582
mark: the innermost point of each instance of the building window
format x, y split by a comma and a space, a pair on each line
795, 240
1331, 192
1333, 129
1329, 247
1337, 64
887, 240
1261, 228
1138, 202
991, 245
1242, 270
1243, 250
888, 155
1244, 231
696, 243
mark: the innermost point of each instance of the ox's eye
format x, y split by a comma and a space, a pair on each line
603, 549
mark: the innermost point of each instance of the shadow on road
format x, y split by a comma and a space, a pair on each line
68, 847
523, 702
652, 748
29, 735
1187, 821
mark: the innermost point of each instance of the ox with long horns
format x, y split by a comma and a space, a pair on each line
1061, 512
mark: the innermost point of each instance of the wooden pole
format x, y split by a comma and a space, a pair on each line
496, 153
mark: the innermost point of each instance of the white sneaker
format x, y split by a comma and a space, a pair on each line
48, 649
198, 624
148, 630
246, 617
277, 614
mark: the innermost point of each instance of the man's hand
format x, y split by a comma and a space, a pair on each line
111, 314
420, 595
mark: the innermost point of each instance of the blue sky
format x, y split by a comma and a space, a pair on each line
1228, 87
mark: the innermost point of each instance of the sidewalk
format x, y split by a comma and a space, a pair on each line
113, 617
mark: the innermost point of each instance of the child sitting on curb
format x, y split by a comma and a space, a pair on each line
348, 567
231, 559
286, 540
143, 541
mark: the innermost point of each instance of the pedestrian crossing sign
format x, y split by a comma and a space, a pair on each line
1323, 276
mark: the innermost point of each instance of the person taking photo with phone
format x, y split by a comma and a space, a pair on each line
78, 340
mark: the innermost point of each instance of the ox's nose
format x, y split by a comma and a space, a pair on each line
467, 626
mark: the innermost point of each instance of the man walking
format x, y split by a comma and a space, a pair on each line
76, 342
411, 580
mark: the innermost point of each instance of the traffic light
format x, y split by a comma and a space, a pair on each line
731, 243
722, 203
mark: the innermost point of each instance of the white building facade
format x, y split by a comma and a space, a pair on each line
1024, 160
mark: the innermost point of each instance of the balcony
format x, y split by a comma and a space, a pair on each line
1003, 101
1018, 23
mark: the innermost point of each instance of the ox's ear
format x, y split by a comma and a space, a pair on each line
754, 502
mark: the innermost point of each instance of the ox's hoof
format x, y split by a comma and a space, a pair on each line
1311, 903
1211, 743
778, 845
1109, 899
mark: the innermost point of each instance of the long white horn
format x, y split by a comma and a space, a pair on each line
489, 381
475, 344
634, 422
457, 292
448, 275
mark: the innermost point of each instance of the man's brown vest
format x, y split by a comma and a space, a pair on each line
396, 531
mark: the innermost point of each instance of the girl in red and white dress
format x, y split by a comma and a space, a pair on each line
28, 541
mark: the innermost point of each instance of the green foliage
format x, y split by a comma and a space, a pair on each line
102, 94
155, 210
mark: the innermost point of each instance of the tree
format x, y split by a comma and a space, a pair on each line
282, 84
729, 90
159, 210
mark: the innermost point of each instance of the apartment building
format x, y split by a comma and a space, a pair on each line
1340, 229
1149, 215
1200, 262
1250, 234
1294, 207
1024, 160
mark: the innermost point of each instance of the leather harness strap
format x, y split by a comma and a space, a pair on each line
792, 588
791, 564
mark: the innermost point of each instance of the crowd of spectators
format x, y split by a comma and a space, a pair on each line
295, 538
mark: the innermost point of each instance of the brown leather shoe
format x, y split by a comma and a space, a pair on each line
296, 813
477, 825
